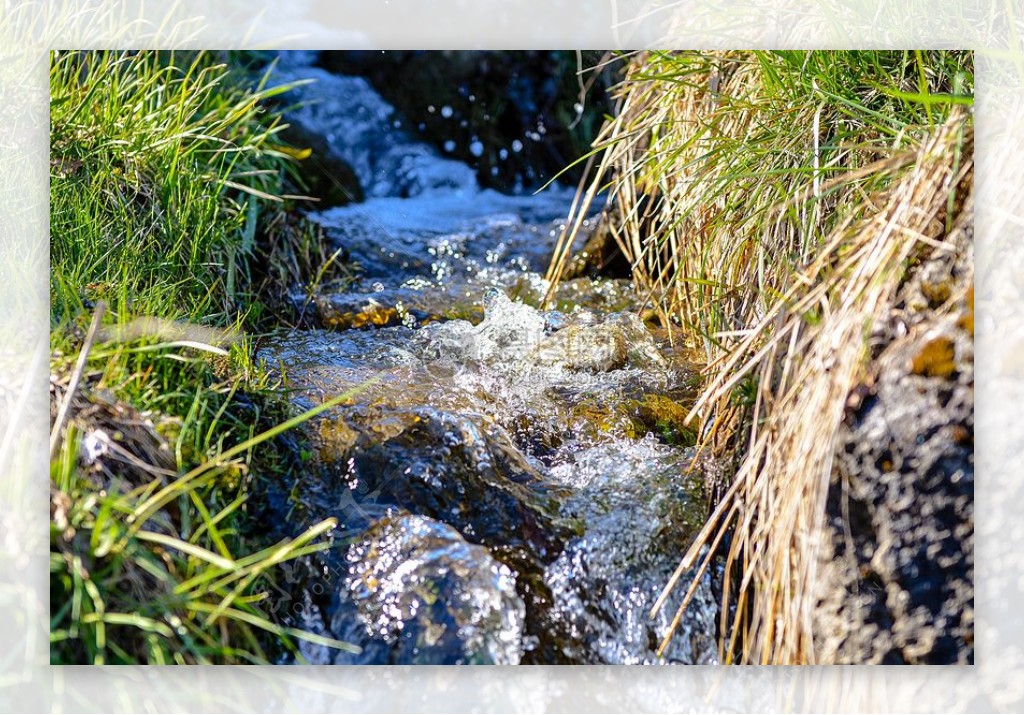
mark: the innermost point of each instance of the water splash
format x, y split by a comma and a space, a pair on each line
545, 515
639, 513
491, 428
359, 128
417, 593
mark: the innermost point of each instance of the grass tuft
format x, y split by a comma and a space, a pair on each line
769, 204
172, 206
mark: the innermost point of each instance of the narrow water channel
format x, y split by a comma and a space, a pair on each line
513, 487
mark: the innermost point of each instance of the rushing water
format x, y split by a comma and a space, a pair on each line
511, 484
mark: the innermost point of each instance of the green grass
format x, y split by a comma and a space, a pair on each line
163, 171
170, 206
157, 573
728, 169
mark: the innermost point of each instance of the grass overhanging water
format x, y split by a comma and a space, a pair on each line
173, 206
770, 204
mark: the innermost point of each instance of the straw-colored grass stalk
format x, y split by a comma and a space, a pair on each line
772, 213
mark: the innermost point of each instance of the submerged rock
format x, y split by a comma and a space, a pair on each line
509, 331
620, 340
417, 593
448, 467
517, 334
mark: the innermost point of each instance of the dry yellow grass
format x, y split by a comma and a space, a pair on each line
773, 219
805, 372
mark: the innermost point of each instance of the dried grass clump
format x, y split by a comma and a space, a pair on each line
769, 204
805, 370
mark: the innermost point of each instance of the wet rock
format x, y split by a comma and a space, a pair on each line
620, 340
511, 115
439, 237
664, 417
358, 127
395, 306
417, 593
354, 312
514, 334
899, 565
328, 178
509, 331
594, 348
448, 467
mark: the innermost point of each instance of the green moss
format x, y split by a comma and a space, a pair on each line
666, 418
633, 418
605, 418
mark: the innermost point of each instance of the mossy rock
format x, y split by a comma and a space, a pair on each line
599, 417
449, 467
665, 417
633, 418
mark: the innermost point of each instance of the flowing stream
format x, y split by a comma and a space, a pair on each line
512, 485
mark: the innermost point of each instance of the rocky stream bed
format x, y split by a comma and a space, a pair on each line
514, 485
510, 484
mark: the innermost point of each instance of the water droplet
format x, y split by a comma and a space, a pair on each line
517, 146
449, 145
446, 112
491, 295
476, 148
